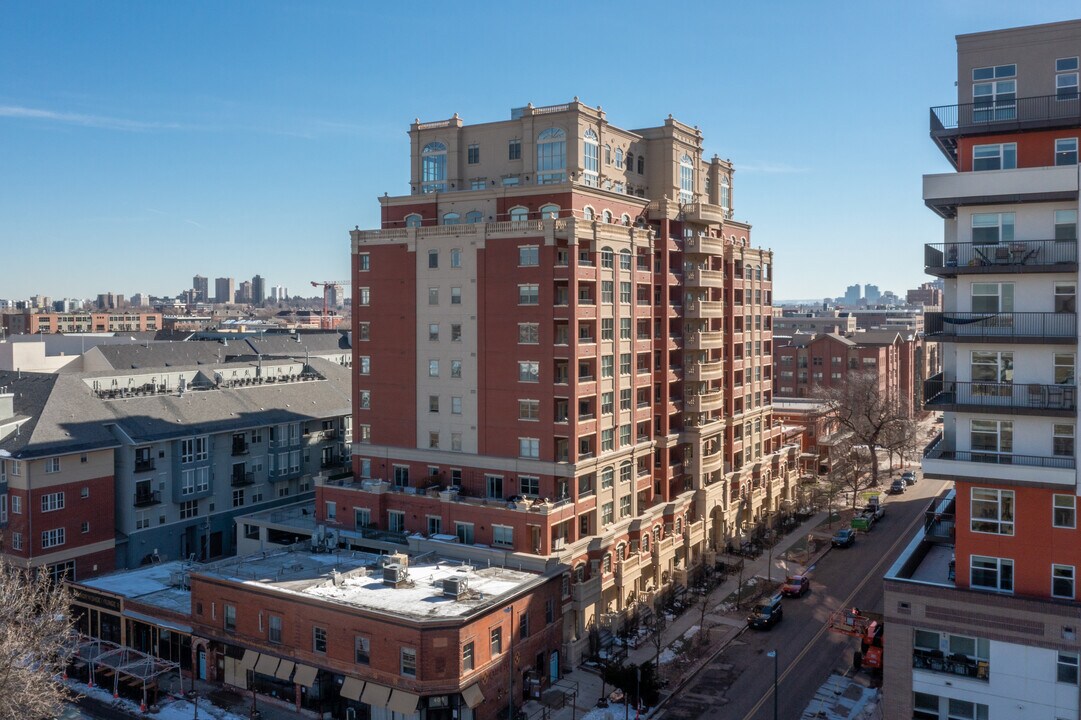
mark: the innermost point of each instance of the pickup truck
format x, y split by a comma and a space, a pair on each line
871, 513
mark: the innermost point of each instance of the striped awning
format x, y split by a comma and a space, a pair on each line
352, 688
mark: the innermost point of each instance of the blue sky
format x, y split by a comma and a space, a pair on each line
144, 142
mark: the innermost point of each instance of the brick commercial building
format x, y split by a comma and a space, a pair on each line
562, 350
982, 608
81, 322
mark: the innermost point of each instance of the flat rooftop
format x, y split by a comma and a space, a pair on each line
929, 557
355, 579
162, 585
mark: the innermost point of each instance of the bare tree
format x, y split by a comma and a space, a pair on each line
849, 472
865, 412
35, 643
657, 627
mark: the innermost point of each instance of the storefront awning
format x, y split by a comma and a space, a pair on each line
473, 696
230, 671
186, 629
352, 688
267, 665
247, 662
375, 695
285, 669
305, 675
403, 702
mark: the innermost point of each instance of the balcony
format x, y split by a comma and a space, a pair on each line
704, 402
1016, 327
945, 191
704, 340
953, 259
587, 591
704, 278
146, 498
242, 479
703, 245
696, 532
1011, 398
703, 212
943, 459
951, 122
704, 309
956, 664
712, 463
239, 448
704, 371
146, 465
629, 568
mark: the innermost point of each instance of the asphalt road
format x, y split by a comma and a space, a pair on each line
738, 683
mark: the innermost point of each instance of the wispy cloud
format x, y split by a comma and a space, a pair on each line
93, 121
771, 168
192, 222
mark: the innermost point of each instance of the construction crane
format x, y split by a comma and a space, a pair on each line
868, 628
324, 321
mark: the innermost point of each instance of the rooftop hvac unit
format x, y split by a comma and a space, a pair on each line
394, 575
396, 559
454, 587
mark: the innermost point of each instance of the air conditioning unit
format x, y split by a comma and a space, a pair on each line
394, 575
454, 587
401, 559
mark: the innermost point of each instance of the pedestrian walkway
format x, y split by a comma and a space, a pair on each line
722, 625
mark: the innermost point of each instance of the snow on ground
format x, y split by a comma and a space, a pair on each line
169, 709
615, 711
691, 632
666, 656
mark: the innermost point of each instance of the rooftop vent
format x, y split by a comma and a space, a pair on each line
395, 575
454, 587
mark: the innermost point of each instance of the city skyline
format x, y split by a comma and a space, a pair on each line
128, 140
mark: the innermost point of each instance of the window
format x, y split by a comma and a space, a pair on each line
519, 214
607, 366
365, 296
456, 257
1064, 513
625, 399
625, 294
362, 649
529, 409
608, 477
529, 485
1063, 440
528, 371
413, 220
503, 535
1001, 156
1065, 224
523, 625
467, 657
364, 262
625, 506
551, 156
514, 149
624, 435
364, 331
1066, 78
992, 511
455, 296
274, 629
230, 618
494, 486
433, 256
607, 513
588, 213
396, 521
189, 509
401, 476
1062, 579
994, 93
528, 447
607, 292
641, 164
455, 368
455, 406
992, 297
495, 640
607, 403
991, 367
16, 541
625, 259
365, 365
464, 531
607, 328
528, 256
433, 368
989, 573
528, 294
238, 498
52, 501
473, 154
52, 538
1066, 151
433, 440
433, 403
433, 160
991, 228
608, 439
52, 465
624, 328
607, 258
624, 363
619, 158
1067, 668
433, 332
686, 180
455, 332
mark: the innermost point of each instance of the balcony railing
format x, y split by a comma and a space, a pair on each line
956, 664
950, 259
146, 499
242, 479
998, 326
941, 451
939, 393
144, 466
240, 449
1044, 111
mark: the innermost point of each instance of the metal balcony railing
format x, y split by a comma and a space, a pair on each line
979, 326
949, 259
146, 499
948, 122
242, 479
939, 392
943, 451
144, 465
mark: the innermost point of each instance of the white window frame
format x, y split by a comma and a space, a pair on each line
1066, 573
1003, 156
1064, 153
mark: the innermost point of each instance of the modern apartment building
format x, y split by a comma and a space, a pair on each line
562, 350
224, 292
982, 608
81, 322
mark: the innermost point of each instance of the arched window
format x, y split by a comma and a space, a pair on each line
549, 212
686, 179
607, 258
474, 216
619, 158
579, 572
641, 164
413, 220
433, 174
624, 259
588, 213
608, 476
726, 192
625, 219
679, 526
645, 543
621, 552
607, 154
517, 214
551, 156
456, 257
625, 471
630, 161
590, 159
451, 218
608, 216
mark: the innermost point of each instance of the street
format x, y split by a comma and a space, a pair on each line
738, 683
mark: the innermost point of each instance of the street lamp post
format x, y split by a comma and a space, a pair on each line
773, 654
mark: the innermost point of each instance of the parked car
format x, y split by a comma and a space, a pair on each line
843, 538
766, 614
796, 586
909, 478
897, 487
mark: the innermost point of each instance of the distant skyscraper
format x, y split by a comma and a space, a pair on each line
140, 300
201, 285
334, 296
871, 293
224, 290
258, 290
243, 295
853, 295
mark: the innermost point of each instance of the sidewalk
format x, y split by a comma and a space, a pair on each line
723, 628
